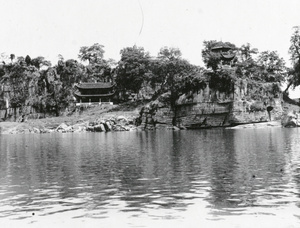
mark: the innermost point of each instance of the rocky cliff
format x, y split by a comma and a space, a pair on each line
208, 107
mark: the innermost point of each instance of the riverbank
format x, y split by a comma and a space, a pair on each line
121, 117
110, 123
95, 119
257, 125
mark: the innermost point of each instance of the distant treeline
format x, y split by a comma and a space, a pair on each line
27, 81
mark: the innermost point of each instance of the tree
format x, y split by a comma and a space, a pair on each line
169, 53
246, 52
93, 54
18, 80
98, 69
272, 66
132, 69
175, 74
246, 66
210, 59
99, 72
70, 72
39, 62
163, 64
28, 60
60, 57
294, 51
12, 57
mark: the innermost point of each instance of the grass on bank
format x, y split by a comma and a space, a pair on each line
127, 109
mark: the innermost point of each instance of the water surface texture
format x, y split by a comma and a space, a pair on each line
198, 178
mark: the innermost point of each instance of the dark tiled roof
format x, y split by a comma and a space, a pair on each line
228, 56
99, 85
77, 94
220, 45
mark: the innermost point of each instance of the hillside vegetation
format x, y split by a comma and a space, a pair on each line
34, 86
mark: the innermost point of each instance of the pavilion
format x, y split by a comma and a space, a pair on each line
100, 92
226, 52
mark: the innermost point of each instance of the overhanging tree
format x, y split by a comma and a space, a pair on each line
294, 51
175, 74
132, 69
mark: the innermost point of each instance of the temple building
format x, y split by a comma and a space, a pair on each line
100, 92
225, 51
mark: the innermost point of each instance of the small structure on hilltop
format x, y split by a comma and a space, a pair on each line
225, 51
89, 93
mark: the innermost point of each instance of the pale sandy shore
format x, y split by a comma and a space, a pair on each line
47, 126
257, 125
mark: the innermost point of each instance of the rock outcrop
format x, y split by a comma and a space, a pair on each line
157, 114
211, 108
291, 119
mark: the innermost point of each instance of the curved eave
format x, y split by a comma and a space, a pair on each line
87, 87
228, 57
221, 48
93, 95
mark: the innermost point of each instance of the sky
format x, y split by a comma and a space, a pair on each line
51, 27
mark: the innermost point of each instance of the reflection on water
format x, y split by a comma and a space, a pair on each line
217, 178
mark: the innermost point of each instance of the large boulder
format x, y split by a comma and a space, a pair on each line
122, 120
291, 120
64, 128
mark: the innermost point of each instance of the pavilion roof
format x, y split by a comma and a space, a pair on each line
98, 85
229, 56
77, 94
221, 45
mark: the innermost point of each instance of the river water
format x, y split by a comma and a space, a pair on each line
196, 178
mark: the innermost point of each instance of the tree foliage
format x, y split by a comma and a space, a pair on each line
249, 65
175, 74
132, 69
39, 62
272, 67
93, 54
294, 51
169, 53
246, 52
47, 88
98, 69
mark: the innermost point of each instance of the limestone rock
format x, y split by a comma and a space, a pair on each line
291, 120
122, 120
98, 128
119, 127
64, 128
